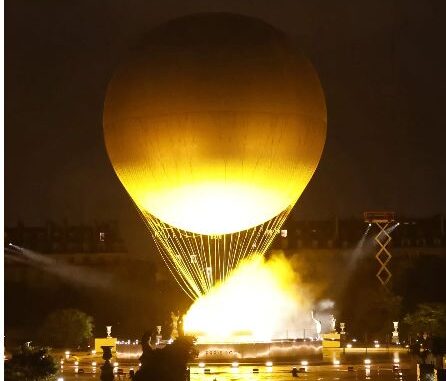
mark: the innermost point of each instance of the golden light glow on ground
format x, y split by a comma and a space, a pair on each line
260, 301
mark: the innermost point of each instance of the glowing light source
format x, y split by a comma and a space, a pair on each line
211, 167
201, 364
336, 362
203, 160
269, 363
349, 345
263, 297
234, 365
367, 361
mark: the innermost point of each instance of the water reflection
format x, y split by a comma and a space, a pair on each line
312, 373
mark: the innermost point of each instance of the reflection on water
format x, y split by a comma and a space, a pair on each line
261, 372
284, 372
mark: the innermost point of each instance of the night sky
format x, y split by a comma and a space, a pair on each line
381, 64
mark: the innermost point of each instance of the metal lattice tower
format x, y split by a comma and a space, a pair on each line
382, 220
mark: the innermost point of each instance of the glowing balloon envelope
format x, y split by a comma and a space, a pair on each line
215, 125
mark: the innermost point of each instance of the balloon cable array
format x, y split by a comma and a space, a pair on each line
198, 261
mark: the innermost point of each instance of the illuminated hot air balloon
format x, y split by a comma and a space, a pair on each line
214, 126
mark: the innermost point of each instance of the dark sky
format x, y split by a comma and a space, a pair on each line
382, 65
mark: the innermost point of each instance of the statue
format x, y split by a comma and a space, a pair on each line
159, 337
108, 327
318, 325
333, 323
174, 318
165, 364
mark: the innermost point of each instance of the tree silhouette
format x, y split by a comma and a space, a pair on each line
30, 364
68, 328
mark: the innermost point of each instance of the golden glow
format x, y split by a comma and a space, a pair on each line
219, 207
209, 140
198, 262
254, 176
214, 146
258, 302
